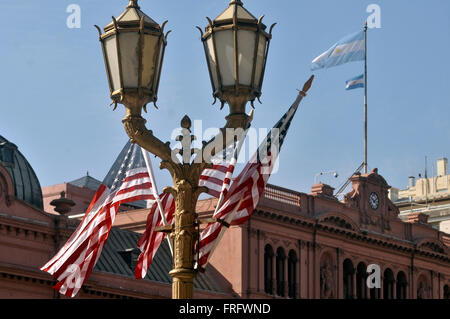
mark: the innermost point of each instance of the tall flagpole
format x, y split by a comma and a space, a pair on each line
365, 98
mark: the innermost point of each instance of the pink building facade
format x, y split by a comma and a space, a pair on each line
313, 246
295, 245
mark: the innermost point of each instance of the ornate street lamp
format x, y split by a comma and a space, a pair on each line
133, 49
236, 47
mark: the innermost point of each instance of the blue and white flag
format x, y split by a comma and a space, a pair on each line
354, 83
351, 48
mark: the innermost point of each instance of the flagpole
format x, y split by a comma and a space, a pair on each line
155, 193
365, 98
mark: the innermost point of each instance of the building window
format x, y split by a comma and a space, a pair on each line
281, 258
349, 270
388, 284
401, 285
268, 269
361, 281
292, 274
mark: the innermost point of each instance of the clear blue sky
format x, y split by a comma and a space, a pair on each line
55, 98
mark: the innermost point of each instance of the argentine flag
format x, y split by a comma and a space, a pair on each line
354, 83
351, 48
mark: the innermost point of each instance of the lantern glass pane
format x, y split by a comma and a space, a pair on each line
129, 52
225, 56
260, 57
148, 60
113, 61
246, 48
212, 62
159, 66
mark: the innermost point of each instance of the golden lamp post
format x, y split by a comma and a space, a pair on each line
236, 46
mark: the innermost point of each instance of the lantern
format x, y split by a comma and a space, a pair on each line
133, 49
236, 47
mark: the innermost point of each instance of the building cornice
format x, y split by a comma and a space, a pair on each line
369, 237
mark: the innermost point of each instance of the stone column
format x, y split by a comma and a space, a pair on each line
260, 262
394, 289
340, 275
299, 268
285, 279
274, 273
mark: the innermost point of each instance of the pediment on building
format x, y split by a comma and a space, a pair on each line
338, 220
369, 195
377, 179
392, 210
433, 245
352, 198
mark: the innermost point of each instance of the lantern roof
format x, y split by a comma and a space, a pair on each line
132, 16
235, 8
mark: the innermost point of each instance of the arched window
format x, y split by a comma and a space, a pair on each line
268, 269
401, 285
281, 258
292, 274
388, 284
349, 270
361, 281
446, 292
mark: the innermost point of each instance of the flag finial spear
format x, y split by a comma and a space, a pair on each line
306, 86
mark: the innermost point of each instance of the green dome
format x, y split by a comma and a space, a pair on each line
26, 184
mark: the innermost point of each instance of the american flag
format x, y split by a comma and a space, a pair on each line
127, 181
245, 192
218, 178
151, 239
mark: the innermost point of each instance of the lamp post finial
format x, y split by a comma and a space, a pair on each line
133, 4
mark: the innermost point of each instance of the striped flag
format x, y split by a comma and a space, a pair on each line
245, 192
151, 239
127, 181
354, 83
218, 178
348, 49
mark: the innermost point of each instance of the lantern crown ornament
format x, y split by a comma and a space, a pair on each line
133, 49
236, 46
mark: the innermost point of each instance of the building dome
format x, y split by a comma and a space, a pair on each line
26, 184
